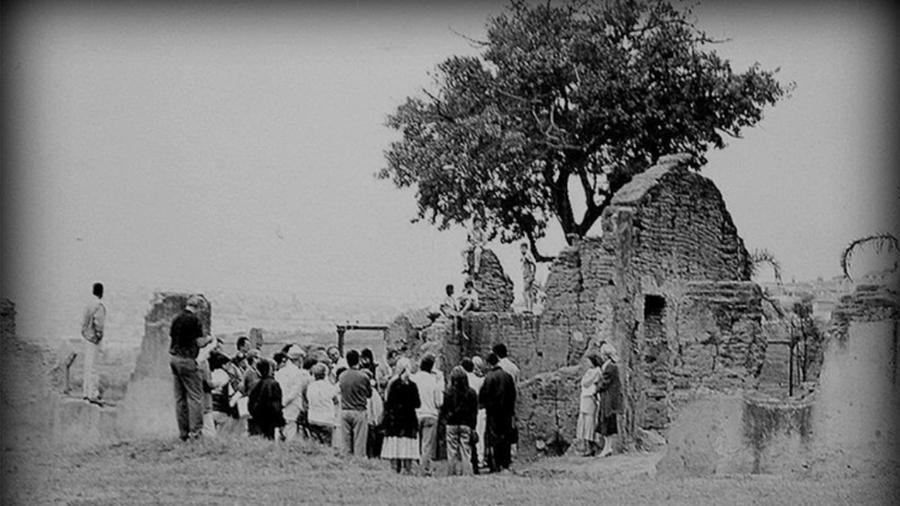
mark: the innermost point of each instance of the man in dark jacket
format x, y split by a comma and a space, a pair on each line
187, 339
265, 402
498, 398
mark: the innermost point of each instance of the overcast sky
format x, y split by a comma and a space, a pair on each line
235, 148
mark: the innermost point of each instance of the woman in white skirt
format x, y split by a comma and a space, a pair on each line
587, 412
401, 439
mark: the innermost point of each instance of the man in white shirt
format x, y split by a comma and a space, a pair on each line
449, 307
505, 363
92, 327
291, 378
431, 397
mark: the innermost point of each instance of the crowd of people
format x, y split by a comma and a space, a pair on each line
393, 410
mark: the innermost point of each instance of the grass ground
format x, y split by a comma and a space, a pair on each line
251, 471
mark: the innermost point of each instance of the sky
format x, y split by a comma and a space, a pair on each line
233, 147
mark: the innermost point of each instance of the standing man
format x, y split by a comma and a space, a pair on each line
187, 339
92, 326
355, 392
498, 398
291, 378
431, 397
475, 243
505, 363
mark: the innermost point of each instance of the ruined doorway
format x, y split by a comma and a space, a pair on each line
655, 363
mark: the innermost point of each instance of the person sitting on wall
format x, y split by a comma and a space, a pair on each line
449, 307
609, 405
468, 302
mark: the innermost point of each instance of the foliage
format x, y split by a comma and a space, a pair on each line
884, 242
764, 256
586, 91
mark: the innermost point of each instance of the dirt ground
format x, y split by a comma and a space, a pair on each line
252, 471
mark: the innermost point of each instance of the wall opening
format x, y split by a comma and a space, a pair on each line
655, 363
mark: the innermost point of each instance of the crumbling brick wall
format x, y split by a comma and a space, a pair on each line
667, 284
495, 289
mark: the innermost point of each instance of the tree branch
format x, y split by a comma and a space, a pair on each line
532, 242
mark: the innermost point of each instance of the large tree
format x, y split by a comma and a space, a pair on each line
588, 91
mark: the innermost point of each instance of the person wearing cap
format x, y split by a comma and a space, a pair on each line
186, 340
292, 378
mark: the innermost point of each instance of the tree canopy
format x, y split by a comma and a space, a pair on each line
587, 91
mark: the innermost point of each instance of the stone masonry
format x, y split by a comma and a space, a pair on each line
667, 284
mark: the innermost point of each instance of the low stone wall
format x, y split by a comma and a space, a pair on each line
857, 403
27, 399
846, 426
547, 412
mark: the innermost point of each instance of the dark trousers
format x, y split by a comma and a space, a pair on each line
374, 442
473, 449
321, 433
188, 396
500, 457
499, 436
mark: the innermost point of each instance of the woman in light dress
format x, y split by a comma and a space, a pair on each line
587, 411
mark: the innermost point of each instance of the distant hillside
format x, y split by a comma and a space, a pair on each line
53, 316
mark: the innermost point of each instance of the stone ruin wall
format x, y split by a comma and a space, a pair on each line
846, 426
667, 284
149, 405
33, 412
27, 404
670, 244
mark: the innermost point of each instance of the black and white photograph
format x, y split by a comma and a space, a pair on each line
399, 252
